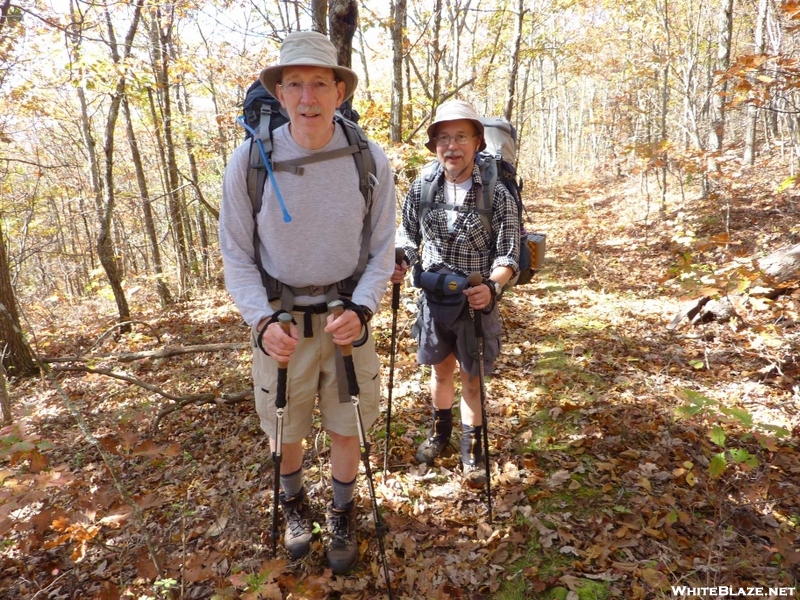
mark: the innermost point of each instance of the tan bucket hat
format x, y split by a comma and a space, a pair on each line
308, 49
454, 110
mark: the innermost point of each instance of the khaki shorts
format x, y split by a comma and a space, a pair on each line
311, 375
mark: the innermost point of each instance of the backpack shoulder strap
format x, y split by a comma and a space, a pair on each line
430, 187
367, 178
358, 146
485, 200
257, 178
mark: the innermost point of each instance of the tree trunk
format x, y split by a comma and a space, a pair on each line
436, 56
105, 242
159, 39
662, 150
752, 111
724, 34
5, 401
343, 17
17, 358
362, 52
147, 211
104, 189
513, 67
398, 26
319, 16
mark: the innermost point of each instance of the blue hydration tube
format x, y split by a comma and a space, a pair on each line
287, 218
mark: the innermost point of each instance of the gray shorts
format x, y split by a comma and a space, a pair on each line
312, 374
437, 340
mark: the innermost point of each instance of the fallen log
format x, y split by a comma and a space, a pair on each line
782, 266
161, 353
781, 274
178, 402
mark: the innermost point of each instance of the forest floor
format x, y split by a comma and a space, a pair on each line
627, 458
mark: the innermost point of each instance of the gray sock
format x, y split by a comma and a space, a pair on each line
343, 493
292, 483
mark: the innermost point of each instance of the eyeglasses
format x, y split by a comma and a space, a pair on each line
295, 88
461, 139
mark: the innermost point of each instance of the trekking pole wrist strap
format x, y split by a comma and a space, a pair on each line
364, 315
272, 319
494, 287
489, 307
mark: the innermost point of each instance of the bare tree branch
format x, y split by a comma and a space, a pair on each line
162, 353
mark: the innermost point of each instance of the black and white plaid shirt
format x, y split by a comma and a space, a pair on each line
468, 248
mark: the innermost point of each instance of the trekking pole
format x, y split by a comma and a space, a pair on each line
399, 257
284, 319
337, 308
476, 279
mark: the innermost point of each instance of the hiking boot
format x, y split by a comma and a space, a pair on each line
431, 448
475, 474
342, 550
438, 437
472, 455
298, 535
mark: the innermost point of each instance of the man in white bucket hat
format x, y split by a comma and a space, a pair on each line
309, 242
454, 244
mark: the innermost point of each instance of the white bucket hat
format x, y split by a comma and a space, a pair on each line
454, 110
308, 49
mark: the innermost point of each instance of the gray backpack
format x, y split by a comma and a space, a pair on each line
496, 162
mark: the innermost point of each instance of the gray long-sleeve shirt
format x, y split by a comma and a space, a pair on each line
321, 244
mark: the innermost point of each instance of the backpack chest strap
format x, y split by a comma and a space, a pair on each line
461, 209
295, 165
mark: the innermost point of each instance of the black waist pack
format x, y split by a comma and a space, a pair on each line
444, 293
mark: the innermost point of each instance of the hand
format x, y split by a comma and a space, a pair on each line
399, 272
479, 296
345, 329
276, 343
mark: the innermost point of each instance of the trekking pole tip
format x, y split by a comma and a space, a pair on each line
474, 279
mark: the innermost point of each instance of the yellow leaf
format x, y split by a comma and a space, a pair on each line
655, 579
645, 483
691, 479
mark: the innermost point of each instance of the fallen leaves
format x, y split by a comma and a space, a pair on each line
595, 481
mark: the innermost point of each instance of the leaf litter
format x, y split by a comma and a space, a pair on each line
598, 482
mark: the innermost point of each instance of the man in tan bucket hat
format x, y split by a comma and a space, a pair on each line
455, 243
308, 239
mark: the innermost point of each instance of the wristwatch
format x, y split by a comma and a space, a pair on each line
496, 288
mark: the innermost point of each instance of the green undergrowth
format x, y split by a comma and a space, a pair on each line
552, 425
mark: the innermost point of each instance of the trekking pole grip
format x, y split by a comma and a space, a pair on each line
337, 308
475, 279
285, 321
399, 257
